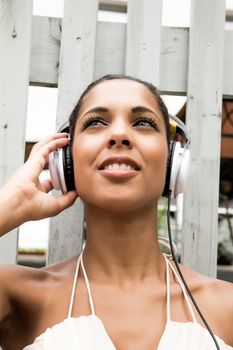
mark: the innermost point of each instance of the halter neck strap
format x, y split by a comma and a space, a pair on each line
74, 287
168, 264
88, 287
80, 263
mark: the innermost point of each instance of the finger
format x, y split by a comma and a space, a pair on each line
49, 138
53, 144
67, 199
46, 186
50, 143
40, 155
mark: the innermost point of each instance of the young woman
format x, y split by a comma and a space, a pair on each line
121, 292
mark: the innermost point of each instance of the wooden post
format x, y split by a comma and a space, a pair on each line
143, 39
204, 105
75, 72
15, 46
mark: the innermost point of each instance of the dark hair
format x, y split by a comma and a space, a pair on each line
74, 114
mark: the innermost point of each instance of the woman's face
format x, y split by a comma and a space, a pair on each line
119, 148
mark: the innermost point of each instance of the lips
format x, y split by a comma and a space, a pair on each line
112, 161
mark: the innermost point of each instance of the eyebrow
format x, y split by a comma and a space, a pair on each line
137, 109
142, 109
96, 110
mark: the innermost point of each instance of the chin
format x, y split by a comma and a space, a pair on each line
120, 204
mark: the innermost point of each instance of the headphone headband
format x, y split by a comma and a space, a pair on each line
65, 127
178, 127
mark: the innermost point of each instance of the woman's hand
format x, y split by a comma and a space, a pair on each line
24, 197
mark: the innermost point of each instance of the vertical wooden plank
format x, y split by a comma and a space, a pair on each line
143, 39
15, 48
204, 101
76, 71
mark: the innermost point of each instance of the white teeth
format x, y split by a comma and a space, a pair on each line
117, 166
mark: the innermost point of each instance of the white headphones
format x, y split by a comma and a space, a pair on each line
179, 158
61, 163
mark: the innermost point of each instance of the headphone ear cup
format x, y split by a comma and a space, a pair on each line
61, 166
177, 172
183, 172
175, 167
169, 167
61, 169
178, 160
68, 168
56, 168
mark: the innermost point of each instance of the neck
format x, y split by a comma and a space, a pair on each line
122, 246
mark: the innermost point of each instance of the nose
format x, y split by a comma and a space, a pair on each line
124, 142
120, 136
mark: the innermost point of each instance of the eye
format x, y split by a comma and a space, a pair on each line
145, 123
94, 121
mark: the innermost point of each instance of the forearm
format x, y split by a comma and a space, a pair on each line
11, 210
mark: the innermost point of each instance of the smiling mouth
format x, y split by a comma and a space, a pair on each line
119, 167
119, 164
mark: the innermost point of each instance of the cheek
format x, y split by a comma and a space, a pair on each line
156, 153
85, 152
86, 147
157, 156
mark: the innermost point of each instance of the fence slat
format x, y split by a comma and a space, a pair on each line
143, 39
76, 70
204, 106
46, 41
15, 46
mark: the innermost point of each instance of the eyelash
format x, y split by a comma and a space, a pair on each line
148, 120
91, 119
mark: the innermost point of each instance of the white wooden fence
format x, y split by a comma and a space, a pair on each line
70, 52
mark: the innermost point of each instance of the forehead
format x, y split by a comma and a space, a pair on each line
119, 92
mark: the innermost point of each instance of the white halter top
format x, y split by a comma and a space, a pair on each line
89, 333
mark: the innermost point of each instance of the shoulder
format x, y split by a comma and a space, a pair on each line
16, 288
215, 300
14, 278
31, 294
19, 283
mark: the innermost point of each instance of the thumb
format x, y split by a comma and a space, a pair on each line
67, 199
